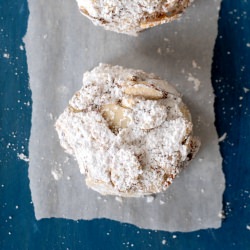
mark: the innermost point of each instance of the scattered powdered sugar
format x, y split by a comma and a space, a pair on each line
118, 198
57, 174
195, 81
223, 137
159, 51
23, 157
139, 143
6, 55
164, 242
246, 90
51, 117
222, 215
248, 226
195, 65
150, 199
162, 202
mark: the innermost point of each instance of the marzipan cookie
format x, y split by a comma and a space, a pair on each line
131, 17
129, 131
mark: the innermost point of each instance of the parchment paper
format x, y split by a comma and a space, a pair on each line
61, 44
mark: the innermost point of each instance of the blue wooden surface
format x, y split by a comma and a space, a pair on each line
230, 75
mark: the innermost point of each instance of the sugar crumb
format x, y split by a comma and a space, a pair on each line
223, 137
23, 157
119, 199
159, 51
57, 174
150, 199
195, 81
66, 159
195, 65
6, 55
168, 50
51, 117
222, 215
246, 90
164, 242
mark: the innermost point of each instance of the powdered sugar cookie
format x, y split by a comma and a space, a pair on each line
129, 131
131, 17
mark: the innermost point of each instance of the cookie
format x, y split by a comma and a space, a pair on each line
129, 131
131, 17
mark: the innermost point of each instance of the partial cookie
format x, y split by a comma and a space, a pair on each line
129, 131
130, 17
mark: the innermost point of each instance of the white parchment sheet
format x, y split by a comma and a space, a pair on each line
61, 45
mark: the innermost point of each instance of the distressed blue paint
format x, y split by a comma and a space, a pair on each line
230, 74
